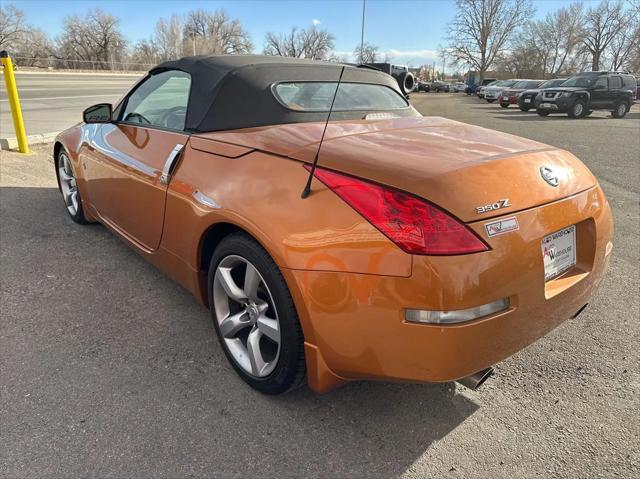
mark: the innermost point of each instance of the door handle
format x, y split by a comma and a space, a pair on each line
169, 164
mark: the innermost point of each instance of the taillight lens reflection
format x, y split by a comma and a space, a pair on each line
416, 226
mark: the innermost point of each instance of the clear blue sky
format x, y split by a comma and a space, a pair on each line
409, 31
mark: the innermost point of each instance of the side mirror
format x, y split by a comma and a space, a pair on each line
100, 113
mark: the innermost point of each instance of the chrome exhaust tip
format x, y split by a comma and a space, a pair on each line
476, 380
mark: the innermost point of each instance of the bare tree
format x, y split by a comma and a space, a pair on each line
481, 29
546, 48
633, 60
284, 45
622, 48
309, 43
145, 53
33, 48
12, 25
625, 45
92, 41
167, 38
367, 54
27, 45
603, 24
317, 43
215, 33
557, 39
522, 61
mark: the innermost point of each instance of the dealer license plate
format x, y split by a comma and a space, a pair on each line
551, 106
527, 100
559, 252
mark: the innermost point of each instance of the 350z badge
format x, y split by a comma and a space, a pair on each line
504, 203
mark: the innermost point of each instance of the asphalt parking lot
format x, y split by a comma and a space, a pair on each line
110, 369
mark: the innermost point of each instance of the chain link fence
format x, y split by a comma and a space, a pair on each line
53, 63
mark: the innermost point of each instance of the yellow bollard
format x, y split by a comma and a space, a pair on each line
14, 102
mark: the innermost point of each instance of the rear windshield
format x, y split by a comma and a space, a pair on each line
317, 96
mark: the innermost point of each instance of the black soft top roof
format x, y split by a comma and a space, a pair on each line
234, 91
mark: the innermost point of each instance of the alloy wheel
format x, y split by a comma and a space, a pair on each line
246, 315
622, 109
68, 184
578, 109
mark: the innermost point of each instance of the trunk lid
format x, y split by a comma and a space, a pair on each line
456, 166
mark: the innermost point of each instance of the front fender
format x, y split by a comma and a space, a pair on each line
73, 141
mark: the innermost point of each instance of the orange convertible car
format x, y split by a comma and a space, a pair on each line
425, 249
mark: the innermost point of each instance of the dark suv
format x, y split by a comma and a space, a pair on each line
581, 94
526, 99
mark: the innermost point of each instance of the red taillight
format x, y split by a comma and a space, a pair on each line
415, 225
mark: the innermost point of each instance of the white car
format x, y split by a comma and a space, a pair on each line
480, 91
459, 87
492, 92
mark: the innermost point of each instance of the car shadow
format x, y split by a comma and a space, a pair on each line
113, 368
533, 116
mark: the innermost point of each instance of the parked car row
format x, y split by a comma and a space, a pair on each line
440, 86
576, 96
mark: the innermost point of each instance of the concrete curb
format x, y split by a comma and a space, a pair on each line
38, 139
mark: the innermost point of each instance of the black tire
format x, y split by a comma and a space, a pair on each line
78, 216
543, 112
490, 101
621, 110
290, 371
524, 108
504, 105
578, 109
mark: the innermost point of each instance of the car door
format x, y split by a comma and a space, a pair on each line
132, 158
600, 93
616, 92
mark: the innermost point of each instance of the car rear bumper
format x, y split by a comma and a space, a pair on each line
355, 325
508, 99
